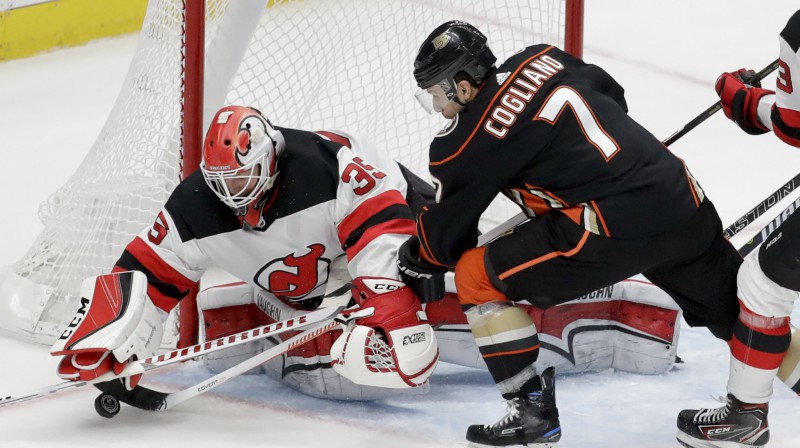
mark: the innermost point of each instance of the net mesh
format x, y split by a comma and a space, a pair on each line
311, 64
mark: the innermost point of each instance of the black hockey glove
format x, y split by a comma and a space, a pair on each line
425, 279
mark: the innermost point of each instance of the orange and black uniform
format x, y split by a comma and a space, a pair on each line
606, 199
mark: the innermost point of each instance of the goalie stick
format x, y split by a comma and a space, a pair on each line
182, 354
107, 403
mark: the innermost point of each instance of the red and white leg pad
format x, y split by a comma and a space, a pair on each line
229, 309
630, 326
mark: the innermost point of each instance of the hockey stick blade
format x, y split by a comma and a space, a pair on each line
717, 106
183, 354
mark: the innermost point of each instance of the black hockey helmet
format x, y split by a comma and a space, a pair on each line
452, 47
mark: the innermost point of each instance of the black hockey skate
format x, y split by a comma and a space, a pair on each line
532, 418
734, 425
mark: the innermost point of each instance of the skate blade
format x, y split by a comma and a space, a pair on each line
529, 445
690, 442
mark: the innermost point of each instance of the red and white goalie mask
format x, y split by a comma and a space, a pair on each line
240, 155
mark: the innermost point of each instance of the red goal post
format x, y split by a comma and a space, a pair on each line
308, 64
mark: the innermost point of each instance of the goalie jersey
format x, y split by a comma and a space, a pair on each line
552, 134
334, 196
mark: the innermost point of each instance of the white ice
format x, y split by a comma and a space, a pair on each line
665, 53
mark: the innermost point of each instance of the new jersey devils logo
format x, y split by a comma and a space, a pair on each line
295, 275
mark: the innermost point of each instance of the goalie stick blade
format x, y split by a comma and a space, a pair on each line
173, 399
140, 397
324, 315
153, 400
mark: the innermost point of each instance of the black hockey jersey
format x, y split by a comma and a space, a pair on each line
334, 196
552, 133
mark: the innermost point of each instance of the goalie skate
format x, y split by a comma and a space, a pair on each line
532, 418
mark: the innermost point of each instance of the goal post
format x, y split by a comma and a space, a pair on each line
307, 64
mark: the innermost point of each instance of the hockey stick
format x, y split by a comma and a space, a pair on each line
717, 106
107, 404
761, 236
762, 207
137, 367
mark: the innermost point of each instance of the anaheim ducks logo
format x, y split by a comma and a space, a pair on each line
296, 275
440, 41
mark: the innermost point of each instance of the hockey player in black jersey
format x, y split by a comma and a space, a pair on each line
606, 200
763, 345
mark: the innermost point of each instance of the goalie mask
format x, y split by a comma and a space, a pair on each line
452, 48
240, 155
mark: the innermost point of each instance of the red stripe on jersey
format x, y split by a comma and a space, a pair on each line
161, 270
336, 138
787, 139
367, 210
789, 117
786, 120
395, 226
755, 358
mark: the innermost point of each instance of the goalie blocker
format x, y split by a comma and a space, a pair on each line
630, 326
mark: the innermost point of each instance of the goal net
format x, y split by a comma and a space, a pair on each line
310, 64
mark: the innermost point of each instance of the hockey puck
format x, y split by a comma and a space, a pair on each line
106, 405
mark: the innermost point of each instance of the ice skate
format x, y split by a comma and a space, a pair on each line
735, 425
532, 418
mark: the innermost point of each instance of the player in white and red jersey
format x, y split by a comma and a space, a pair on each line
769, 279
274, 207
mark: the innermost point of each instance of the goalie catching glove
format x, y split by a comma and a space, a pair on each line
115, 323
387, 341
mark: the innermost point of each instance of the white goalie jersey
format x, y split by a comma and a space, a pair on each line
334, 196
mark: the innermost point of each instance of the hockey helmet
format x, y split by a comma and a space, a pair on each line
453, 47
241, 155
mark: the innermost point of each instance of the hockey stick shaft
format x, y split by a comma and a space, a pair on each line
173, 399
762, 235
137, 367
762, 207
716, 106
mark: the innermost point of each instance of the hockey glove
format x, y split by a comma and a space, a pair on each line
740, 100
387, 341
425, 279
115, 323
